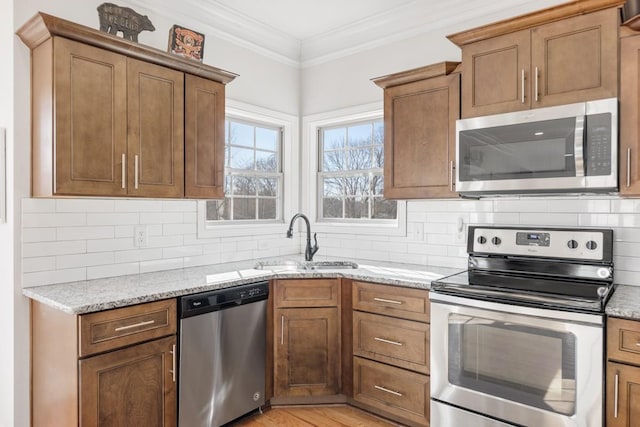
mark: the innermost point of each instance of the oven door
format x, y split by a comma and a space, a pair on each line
522, 365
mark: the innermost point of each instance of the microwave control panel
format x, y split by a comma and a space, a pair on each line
597, 154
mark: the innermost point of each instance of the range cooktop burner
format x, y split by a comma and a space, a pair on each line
557, 268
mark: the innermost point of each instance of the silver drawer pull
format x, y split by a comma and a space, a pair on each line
387, 341
386, 390
135, 325
390, 301
616, 386
173, 363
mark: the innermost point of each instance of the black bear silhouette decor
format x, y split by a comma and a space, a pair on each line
114, 18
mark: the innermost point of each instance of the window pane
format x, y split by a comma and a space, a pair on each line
244, 186
266, 139
334, 138
218, 210
333, 187
356, 207
378, 133
334, 161
241, 158
377, 185
378, 157
384, 209
360, 135
267, 187
359, 159
266, 161
267, 209
244, 208
241, 134
356, 185
332, 207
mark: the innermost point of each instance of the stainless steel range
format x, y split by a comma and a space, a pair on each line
517, 339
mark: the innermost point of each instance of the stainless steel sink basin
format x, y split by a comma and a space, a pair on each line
304, 265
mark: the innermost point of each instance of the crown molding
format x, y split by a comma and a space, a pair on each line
410, 20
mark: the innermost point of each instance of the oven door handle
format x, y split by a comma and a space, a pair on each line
578, 146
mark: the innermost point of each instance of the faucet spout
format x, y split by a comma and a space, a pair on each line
310, 250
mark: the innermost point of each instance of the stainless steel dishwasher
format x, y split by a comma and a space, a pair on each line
222, 355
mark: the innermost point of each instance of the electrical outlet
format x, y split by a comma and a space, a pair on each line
140, 236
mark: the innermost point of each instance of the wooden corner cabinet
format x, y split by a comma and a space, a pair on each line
109, 368
306, 339
112, 117
420, 110
560, 55
623, 373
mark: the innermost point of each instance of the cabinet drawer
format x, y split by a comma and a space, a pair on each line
399, 342
111, 329
623, 340
412, 304
392, 390
307, 293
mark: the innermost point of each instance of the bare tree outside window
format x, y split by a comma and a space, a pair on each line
350, 173
253, 174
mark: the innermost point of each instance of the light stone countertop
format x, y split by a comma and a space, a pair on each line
625, 302
102, 294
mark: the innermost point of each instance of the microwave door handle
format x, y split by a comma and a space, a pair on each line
578, 146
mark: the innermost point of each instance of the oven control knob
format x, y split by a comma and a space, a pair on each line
572, 244
591, 245
482, 240
496, 241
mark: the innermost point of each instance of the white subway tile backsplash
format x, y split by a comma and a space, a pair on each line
196, 261
115, 218
53, 277
161, 265
84, 260
84, 205
625, 206
181, 251
408, 258
38, 205
85, 233
161, 218
136, 255
30, 250
137, 205
31, 265
164, 241
113, 270
30, 235
549, 219
190, 217
123, 231
175, 229
106, 245
35, 220
180, 206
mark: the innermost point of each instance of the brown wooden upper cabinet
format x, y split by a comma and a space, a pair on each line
112, 117
630, 114
561, 55
420, 110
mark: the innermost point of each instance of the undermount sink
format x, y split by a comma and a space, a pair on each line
304, 265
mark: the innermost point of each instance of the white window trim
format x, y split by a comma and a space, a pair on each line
290, 169
311, 125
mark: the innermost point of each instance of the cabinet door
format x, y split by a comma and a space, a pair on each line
90, 121
576, 59
204, 138
630, 116
495, 75
156, 130
623, 401
306, 352
419, 122
130, 387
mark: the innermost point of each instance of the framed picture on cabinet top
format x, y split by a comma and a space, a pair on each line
186, 43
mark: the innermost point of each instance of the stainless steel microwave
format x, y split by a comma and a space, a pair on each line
569, 148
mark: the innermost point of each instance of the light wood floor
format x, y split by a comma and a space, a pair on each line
313, 416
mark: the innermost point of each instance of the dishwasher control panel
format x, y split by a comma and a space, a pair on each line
221, 299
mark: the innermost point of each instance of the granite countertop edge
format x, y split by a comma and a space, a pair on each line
94, 295
625, 302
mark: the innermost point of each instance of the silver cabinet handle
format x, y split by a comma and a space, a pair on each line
451, 175
124, 170
390, 301
135, 166
387, 341
135, 325
616, 383
628, 167
386, 390
282, 330
522, 78
536, 84
173, 363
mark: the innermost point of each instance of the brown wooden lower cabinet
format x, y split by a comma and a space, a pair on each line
130, 387
623, 395
392, 390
